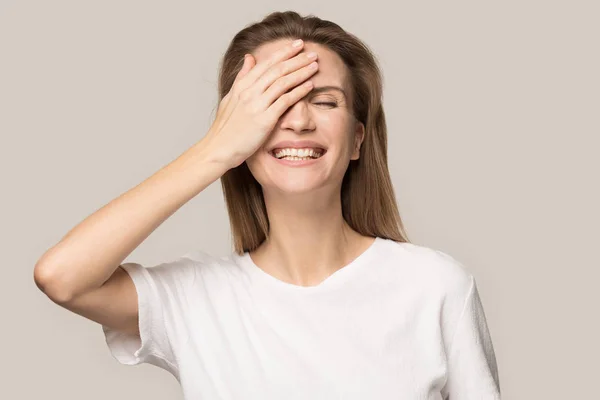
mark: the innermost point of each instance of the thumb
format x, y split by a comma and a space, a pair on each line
249, 62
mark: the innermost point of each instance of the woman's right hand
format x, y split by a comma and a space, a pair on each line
256, 101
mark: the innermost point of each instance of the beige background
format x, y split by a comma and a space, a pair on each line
493, 116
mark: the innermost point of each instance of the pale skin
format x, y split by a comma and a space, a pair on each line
309, 239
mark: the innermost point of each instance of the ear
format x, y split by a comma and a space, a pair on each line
359, 136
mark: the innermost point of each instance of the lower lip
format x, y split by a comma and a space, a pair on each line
297, 163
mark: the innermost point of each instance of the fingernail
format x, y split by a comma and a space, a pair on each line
297, 43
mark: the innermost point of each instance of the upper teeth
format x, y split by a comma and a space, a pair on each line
309, 152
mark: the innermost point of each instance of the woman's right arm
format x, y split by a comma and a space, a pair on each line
83, 268
82, 272
90, 253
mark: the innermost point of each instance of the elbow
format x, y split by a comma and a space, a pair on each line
45, 278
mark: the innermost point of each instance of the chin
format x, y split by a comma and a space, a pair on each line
292, 185
271, 174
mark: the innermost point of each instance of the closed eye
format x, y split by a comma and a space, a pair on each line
328, 104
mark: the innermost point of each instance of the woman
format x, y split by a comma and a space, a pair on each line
324, 297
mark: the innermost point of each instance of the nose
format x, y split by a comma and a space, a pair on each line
297, 118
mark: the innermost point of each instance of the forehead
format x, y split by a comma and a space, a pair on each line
332, 70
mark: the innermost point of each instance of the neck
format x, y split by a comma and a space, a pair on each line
308, 240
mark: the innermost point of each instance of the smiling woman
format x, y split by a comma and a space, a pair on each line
343, 113
323, 297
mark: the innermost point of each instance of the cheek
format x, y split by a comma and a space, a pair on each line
257, 164
252, 163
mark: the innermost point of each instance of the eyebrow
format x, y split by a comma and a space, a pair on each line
320, 89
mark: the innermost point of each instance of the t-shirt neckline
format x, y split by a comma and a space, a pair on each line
333, 280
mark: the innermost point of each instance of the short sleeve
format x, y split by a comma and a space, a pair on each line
161, 302
472, 368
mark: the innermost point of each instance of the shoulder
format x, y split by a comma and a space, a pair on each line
183, 270
213, 268
429, 268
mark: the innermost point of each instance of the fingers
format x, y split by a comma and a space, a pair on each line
289, 81
249, 62
258, 70
276, 110
280, 70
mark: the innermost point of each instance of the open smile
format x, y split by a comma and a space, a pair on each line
295, 161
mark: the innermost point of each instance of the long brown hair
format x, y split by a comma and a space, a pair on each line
368, 200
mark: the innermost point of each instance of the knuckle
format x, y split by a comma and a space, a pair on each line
280, 84
280, 69
273, 73
287, 98
236, 89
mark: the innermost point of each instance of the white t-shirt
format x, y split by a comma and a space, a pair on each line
401, 321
